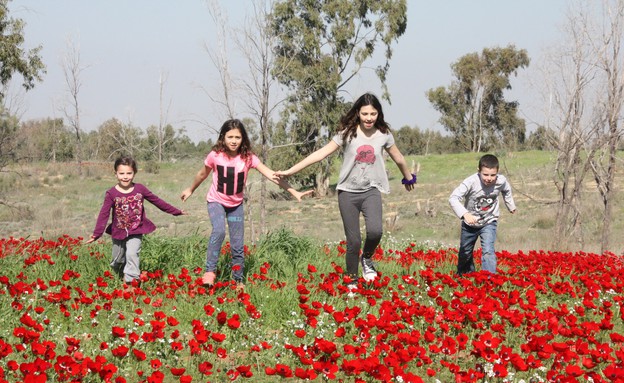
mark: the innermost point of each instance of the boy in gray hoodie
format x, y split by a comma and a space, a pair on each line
475, 202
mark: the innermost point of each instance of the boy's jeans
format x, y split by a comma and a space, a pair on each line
468, 238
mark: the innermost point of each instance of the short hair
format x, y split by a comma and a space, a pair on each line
126, 161
488, 161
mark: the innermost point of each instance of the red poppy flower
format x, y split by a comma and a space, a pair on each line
120, 351
118, 332
155, 364
138, 354
234, 322
300, 333
205, 368
177, 371
244, 371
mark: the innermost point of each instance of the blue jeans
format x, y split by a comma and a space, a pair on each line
236, 224
469, 236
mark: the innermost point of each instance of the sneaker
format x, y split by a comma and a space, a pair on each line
368, 269
351, 290
209, 278
240, 286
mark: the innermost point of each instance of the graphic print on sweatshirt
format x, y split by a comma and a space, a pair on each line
228, 181
484, 204
129, 211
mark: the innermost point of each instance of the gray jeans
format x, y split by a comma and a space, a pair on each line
369, 205
126, 257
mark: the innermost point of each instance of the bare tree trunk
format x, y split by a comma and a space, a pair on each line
322, 178
256, 42
576, 112
72, 70
607, 49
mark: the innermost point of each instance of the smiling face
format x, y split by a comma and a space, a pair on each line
125, 176
232, 140
368, 117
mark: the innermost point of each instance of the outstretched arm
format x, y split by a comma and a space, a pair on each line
398, 158
201, 175
313, 158
270, 174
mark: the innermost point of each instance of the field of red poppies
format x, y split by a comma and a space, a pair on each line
546, 317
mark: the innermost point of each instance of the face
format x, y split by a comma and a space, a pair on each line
488, 175
232, 141
368, 117
125, 175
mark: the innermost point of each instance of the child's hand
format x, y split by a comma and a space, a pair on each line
470, 219
186, 193
281, 174
184, 212
299, 195
92, 239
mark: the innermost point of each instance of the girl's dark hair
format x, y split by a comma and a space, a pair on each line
245, 147
126, 161
489, 161
351, 120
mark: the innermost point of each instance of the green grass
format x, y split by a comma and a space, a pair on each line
54, 199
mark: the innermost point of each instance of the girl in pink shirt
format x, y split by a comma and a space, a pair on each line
229, 161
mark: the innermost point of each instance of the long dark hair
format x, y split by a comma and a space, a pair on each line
245, 147
351, 120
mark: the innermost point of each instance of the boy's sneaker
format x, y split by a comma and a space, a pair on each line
368, 269
209, 278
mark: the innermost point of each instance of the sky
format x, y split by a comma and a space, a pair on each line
126, 46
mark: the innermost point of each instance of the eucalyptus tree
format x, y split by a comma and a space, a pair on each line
321, 46
473, 106
14, 59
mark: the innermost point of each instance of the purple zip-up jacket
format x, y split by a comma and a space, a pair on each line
129, 212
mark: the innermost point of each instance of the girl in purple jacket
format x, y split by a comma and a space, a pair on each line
126, 203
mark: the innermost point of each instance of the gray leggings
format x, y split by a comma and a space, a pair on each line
351, 205
126, 257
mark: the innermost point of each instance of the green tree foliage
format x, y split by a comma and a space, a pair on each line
8, 139
321, 45
540, 139
413, 141
473, 107
13, 57
45, 140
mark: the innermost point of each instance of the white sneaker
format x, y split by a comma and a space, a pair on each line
368, 269
351, 290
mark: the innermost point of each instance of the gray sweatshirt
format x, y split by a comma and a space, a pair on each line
473, 197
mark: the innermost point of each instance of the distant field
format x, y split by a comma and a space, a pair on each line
53, 199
